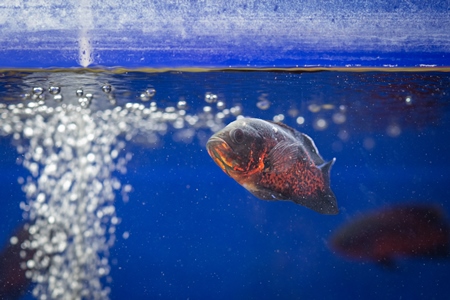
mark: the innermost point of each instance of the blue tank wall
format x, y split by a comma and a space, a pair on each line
224, 33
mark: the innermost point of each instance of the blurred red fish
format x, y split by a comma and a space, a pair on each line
400, 231
13, 282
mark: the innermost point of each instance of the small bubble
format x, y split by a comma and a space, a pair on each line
314, 108
327, 106
339, 118
84, 102
300, 120
54, 90
144, 97
393, 130
343, 135
150, 92
89, 96
58, 98
220, 105
181, 104
263, 104
320, 124
38, 90
236, 110
31, 264
79, 92
106, 88
91, 157
408, 100
210, 97
40, 198
278, 118
13, 240
125, 235
28, 131
293, 112
112, 100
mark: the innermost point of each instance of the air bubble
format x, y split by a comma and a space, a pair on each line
320, 124
210, 97
278, 118
293, 112
150, 92
181, 104
28, 132
328, 106
314, 108
144, 97
393, 130
89, 96
106, 88
79, 92
84, 102
54, 90
263, 104
339, 118
38, 90
58, 98
236, 110
221, 105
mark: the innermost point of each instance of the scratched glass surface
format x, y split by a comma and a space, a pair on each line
110, 173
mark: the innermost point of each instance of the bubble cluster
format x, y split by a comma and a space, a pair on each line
148, 94
263, 103
72, 152
210, 97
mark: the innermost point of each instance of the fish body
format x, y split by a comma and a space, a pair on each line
274, 162
409, 230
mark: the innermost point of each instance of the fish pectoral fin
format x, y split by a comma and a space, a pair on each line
282, 157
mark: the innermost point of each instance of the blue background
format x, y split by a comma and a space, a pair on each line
195, 233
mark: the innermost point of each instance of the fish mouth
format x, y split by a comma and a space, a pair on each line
218, 149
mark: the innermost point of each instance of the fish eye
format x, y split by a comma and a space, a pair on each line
237, 136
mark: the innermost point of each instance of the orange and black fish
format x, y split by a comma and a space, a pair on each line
274, 162
409, 230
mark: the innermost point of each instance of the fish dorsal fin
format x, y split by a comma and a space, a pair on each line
306, 141
286, 127
311, 149
283, 156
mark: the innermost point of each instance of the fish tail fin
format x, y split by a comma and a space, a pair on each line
329, 206
325, 168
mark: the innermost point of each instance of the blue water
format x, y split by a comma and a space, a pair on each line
194, 233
